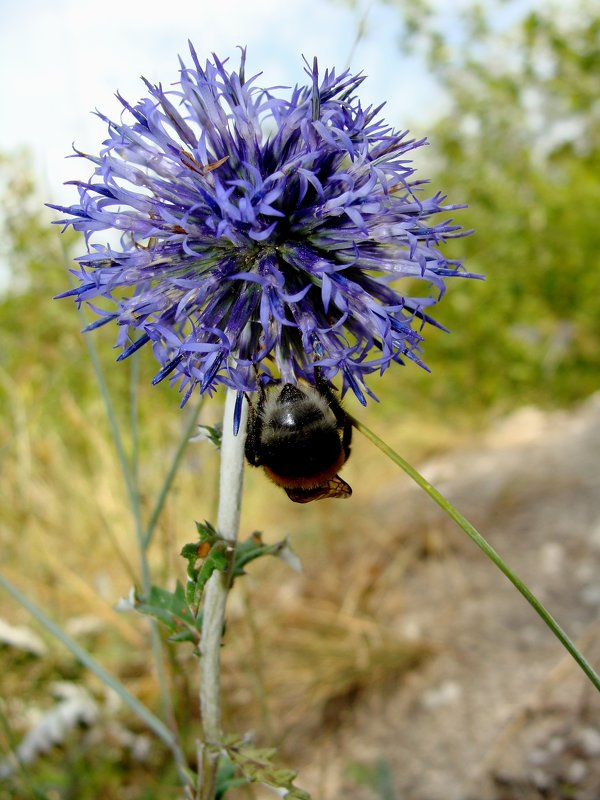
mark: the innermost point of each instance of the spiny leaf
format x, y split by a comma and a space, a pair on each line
254, 548
211, 551
173, 610
257, 765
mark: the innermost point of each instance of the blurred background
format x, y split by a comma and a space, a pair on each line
398, 664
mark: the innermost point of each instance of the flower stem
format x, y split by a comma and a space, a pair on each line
489, 551
217, 588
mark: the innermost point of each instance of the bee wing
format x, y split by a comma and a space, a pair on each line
335, 487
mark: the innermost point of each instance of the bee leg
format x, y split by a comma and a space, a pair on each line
347, 435
325, 390
254, 430
342, 419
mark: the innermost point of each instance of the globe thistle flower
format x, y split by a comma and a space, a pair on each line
261, 235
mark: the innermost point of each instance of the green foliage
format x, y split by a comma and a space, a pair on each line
172, 610
257, 765
214, 434
521, 145
181, 610
227, 778
377, 777
213, 552
254, 548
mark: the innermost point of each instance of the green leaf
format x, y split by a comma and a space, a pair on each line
254, 548
211, 552
213, 434
257, 765
215, 560
207, 532
227, 778
173, 611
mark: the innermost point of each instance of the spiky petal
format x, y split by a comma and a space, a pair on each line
260, 234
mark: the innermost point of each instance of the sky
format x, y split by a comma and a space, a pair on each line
60, 60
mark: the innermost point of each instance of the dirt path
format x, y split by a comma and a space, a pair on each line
499, 712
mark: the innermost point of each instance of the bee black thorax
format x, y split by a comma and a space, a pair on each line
299, 436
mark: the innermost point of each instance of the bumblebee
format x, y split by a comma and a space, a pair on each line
301, 437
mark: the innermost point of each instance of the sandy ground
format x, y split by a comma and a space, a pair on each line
499, 711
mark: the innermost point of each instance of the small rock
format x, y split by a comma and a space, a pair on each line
576, 771
412, 629
552, 558
445, 694
556, 745
589, 741
594, 535
542, 780
538, 757
590, 595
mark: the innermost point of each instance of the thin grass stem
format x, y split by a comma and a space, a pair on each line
170, 476
129, 472
134, 376
129, 469
144, 713
489, 551
112, 419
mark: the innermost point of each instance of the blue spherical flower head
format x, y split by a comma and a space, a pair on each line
261, 235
